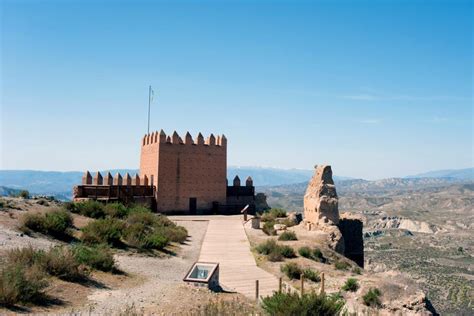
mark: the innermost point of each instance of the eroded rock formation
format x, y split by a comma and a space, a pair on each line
321, 212
320, 200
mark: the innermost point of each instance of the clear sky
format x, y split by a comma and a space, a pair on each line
374, 88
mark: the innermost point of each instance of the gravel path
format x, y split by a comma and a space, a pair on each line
163, 277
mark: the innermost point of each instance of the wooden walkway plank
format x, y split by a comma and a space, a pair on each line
225, 242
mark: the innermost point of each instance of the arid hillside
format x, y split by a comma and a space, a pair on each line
420, 226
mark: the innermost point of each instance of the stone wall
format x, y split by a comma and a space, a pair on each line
185, 170
351, 228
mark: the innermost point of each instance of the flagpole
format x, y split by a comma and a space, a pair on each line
149, 103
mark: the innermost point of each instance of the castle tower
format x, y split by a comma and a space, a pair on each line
189, 175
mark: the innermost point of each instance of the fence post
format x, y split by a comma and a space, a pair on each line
279, 285
256, 290
322, 284
302, 284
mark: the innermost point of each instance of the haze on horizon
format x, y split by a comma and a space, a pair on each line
376, 89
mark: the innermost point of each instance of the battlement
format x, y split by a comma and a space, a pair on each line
161, 138
126, 180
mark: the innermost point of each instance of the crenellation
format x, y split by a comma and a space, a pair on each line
249, 182
162, 138
200, 139
117, 179
108, 180
87, 178
127, 180
97, 180
136, 180
175, 138
144, 180
189, 139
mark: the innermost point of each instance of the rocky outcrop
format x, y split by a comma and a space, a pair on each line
261, 202
395, 222
320, 200
321, 212
321, 207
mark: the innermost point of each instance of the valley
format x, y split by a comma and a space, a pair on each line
422, 227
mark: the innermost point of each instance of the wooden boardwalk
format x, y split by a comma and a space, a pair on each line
225, 242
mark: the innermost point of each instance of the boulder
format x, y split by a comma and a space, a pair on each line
279, 227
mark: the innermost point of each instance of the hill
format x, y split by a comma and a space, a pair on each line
460, 174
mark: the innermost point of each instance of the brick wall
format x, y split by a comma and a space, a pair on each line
187, 169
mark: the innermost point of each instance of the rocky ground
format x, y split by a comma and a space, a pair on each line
400, 294
422, 228
150, 285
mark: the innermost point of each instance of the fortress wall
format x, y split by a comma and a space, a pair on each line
186, 169
149, 158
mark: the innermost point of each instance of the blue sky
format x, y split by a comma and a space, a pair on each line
374, 88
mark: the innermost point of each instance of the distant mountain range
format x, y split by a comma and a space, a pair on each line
60, 183
460, 174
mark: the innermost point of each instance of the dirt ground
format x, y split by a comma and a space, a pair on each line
152, 285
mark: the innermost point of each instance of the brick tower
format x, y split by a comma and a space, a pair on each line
189, 175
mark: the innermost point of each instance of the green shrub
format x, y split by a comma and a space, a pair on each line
70, 206
372, 297
103, 231
356, 270
117, 210
305, 251
146, 230
278, 212
292, 270
139, 209
55, 223
174, 233
288, 222
62, 263
268, 228
156, 241
317, 255
282, 304
90, 208
145, 218
58, 261
267, 247
288, 235
311, 274
141, 236
272, 214
27, 256
135, 235
24, 194
287, 251
341, 265
351, 285
99, 257
275, 256
20, 283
